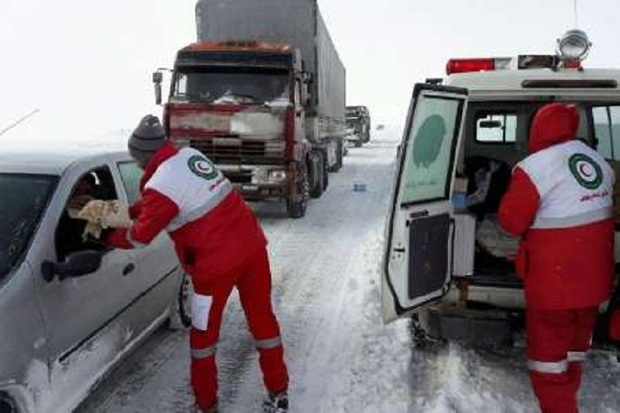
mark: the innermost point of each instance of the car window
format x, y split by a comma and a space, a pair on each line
24, 198
431, 140
496, 128
70, 232
606, 121
131, 175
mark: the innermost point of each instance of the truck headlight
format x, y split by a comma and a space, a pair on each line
277, 176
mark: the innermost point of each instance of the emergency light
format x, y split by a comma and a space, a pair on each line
500, 63
574, 45
572, 48
475, 65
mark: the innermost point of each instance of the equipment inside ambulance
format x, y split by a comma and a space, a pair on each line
446, 258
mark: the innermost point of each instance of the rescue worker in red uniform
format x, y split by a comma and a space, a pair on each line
220, 245
560, 202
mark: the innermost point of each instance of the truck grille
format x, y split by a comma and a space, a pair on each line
235, 150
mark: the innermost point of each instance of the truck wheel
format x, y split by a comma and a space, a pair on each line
358, 144
296, 205
316, 175
325, 173
339, 156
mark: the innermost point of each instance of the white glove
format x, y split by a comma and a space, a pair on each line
104, 214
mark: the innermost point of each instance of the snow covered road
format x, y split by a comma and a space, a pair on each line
341, 357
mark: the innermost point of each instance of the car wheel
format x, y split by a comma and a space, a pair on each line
6, 404
182, 315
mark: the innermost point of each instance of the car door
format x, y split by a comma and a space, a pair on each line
156, 280
420, 229
77, 311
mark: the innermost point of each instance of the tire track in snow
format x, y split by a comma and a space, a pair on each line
311, 264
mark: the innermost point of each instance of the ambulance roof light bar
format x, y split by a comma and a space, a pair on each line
500, 63
572, 48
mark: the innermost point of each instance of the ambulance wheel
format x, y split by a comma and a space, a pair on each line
420, 337
181, 317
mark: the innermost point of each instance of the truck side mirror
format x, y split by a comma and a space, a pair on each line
158, 78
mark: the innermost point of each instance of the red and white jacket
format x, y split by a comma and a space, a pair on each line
560, 202
212, 227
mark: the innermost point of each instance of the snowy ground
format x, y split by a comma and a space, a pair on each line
341, 357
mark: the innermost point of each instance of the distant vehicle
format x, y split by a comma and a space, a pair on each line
71, 309
358, 125
262, 94
447, 261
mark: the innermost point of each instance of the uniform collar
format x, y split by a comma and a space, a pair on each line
162, 155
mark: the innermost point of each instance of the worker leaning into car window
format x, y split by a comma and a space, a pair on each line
560, 202
219, 243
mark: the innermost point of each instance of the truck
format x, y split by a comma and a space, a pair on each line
447, 262
262, 95
358, 125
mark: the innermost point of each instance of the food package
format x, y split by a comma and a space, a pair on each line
494, 239
459, 194
103, 214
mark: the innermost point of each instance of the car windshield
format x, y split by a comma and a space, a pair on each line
24, 197
231, 86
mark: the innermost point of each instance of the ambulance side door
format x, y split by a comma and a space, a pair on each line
420, 230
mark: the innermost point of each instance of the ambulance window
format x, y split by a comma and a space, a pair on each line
496, 128
432, 139
606, 121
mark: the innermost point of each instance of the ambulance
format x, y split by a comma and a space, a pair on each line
446, 260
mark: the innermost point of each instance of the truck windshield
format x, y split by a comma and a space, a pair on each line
24, 198
231, 86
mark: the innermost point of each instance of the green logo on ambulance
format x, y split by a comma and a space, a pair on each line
586, 171
202, 167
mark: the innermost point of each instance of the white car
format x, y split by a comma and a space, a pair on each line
70, 310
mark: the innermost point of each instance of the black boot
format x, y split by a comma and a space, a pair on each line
276, 403
211, 409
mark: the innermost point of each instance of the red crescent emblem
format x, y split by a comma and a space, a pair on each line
583, 170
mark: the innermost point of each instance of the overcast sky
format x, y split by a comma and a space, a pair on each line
87, 65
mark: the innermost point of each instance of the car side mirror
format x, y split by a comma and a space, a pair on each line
77, 264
